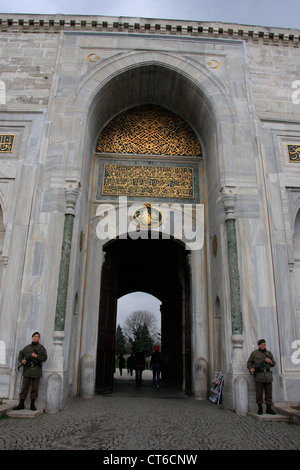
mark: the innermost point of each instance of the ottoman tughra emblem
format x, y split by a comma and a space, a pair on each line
147, 217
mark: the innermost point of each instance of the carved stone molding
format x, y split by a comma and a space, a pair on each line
229, 196
71, 194
3, 261
268, 36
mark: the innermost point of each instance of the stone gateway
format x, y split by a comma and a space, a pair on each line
155, 156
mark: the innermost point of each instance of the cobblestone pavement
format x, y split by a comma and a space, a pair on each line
145, 419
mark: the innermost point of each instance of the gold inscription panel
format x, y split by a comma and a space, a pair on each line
154, 181
294, 153
7, 143
149, 130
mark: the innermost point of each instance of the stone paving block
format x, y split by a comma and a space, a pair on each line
131, 419
272, 418
7, 405
24, 414
292, 413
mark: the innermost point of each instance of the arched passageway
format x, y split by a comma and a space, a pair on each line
192, 99
158, 267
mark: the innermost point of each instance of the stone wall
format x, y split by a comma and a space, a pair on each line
62, 79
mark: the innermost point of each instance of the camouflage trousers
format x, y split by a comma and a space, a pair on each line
34, 388
262, 387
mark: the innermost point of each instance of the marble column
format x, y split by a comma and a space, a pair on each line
229, 200
237, 364
55, 381
71, 193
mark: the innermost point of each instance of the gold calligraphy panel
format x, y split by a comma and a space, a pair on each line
6, 143
151, 181
294, 153
149, 130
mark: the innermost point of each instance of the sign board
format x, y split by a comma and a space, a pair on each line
216, 388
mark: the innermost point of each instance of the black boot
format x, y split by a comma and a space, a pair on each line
270, 411
32, 406
260, 410
20, 406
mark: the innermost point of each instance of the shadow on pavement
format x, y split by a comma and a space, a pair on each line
125, 384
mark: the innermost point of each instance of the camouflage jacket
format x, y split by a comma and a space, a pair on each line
263, 371
33, 368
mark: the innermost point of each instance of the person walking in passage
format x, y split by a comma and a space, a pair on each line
156, 363
139, 365
259, 364
130, 364
121, 363
31, 357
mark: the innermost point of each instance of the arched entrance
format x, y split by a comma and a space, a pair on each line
173, 90
160, 268
147, 154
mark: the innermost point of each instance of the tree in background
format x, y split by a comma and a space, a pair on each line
142, 340
120, 344
138, 319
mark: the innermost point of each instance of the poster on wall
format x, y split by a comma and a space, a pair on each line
216, 388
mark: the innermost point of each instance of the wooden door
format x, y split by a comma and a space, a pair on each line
107, 327
188, 345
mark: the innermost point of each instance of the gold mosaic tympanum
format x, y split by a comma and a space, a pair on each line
149, 130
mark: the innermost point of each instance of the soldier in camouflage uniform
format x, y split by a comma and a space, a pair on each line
259, 364
31, 357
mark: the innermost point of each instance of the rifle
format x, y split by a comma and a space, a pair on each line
31, 361
263, 367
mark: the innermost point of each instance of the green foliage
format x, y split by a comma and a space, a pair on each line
120, 344
142, 340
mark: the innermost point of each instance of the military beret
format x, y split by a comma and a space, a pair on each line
261, 341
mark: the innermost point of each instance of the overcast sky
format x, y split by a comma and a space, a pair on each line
281, 13
137, 301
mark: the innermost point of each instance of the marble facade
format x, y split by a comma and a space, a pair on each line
62, 79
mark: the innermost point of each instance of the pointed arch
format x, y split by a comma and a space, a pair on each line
180, 85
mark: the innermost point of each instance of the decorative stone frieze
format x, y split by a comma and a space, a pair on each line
18, 23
